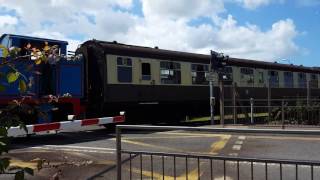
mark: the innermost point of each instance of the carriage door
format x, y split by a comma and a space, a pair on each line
147, 82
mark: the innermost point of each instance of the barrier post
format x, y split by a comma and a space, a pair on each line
212, 102
234, 85
308, 93
221, 95
269, 101
251, 110
118, 142
282, 113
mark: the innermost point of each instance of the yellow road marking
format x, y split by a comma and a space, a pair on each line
193, 134
23, 164
105, 162
215, 149
167, 137
191, 175
178, 135
217, 146
149, 174
148, 145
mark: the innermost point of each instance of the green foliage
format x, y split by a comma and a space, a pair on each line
28, 170
5, 52
20, 172
10, 116
2, 88
12, 76
22, 86
19, 175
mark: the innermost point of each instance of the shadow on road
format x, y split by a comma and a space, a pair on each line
66, 138
61, 138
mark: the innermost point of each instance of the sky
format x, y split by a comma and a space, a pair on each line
286, 31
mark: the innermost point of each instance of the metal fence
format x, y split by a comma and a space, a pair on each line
274, 112
164, 165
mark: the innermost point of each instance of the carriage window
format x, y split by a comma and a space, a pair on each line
145, 71
124, 66
199, 73
314, 81
274, 78
288, 79
260, 77
170, 72
302, 80
227, 75
247, 75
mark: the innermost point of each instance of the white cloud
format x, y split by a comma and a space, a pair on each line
178, 9
72, 44
250, 42
254, 4
7, 20
71, 17
164, 23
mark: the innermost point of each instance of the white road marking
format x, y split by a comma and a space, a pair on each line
238, 144
236, 147
80, 147
76, 149
233, 154
270, 164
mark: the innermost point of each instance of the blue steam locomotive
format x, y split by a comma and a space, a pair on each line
61, 80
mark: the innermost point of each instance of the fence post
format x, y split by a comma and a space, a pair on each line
269, 101
234, 93
221, 102
308, 93
118, 142
282, 113
308, 99
251, 110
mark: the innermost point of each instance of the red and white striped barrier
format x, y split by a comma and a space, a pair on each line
63, 125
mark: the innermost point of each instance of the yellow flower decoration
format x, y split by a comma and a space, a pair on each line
46, 46
4, 50
37, 61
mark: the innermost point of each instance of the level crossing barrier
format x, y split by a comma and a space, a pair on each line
46, 128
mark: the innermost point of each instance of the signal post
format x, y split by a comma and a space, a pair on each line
217, 64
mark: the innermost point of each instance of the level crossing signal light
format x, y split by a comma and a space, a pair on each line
217, 61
